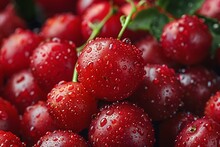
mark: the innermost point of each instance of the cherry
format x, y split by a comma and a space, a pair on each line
65, 26
184, 38
17, 49
199, 83
159, 93
121, 124
36, 121
71, 106
52, 7
152, 51
83, 5
201, 132
22, 90
212, 108
9, 139
170, 128
95, 14
9, 118
61, 138
53, 61
9, 21
106, 64
3, 4
210, 8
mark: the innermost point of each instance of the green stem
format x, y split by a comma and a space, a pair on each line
97, 28
128, 18
75, 74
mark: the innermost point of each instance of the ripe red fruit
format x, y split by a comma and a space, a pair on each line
9, 118
173, 126
186, 40
17, 49
159, 93
36, 121
212, 109
52, 62
210, 8
22, 90
109, 68
83, 5
8, 139
52, 7
3, 4
95, 14
71, 106
61, 138
9, 21
202, 132
152, 51
65, 26
199, 83
121, 124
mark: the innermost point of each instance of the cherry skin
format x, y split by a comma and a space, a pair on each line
106, 64
83, 5
70, 106
3, 4
212, 108
9, 118
35, 122
95, 14
186, 40
170, 128
17, 49
210, 8
160, 92
61, 138
201, 132
65, 26
22, 90
121, 124
9, 21
53, 61
199, 83
10, 139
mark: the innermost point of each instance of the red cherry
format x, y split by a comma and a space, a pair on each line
159, 93
9, 118
61, 138
212, 109
199, 83
36, 121
186, 40
9, 21
22, 90
8, 139
202, 132
96, 14
71, 106
3, 4
173, 126
121, 124
210, 8
52, 62
110, 69
17, 49
65, 26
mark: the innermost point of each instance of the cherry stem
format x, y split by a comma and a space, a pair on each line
97, 28
75, 74
128, 18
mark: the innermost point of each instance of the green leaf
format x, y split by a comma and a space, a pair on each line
179, 7
214, 27
150, 20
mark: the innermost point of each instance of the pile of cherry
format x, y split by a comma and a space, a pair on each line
133, 91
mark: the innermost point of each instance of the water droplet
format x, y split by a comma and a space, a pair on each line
103, 122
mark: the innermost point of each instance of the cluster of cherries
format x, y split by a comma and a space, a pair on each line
58, 89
